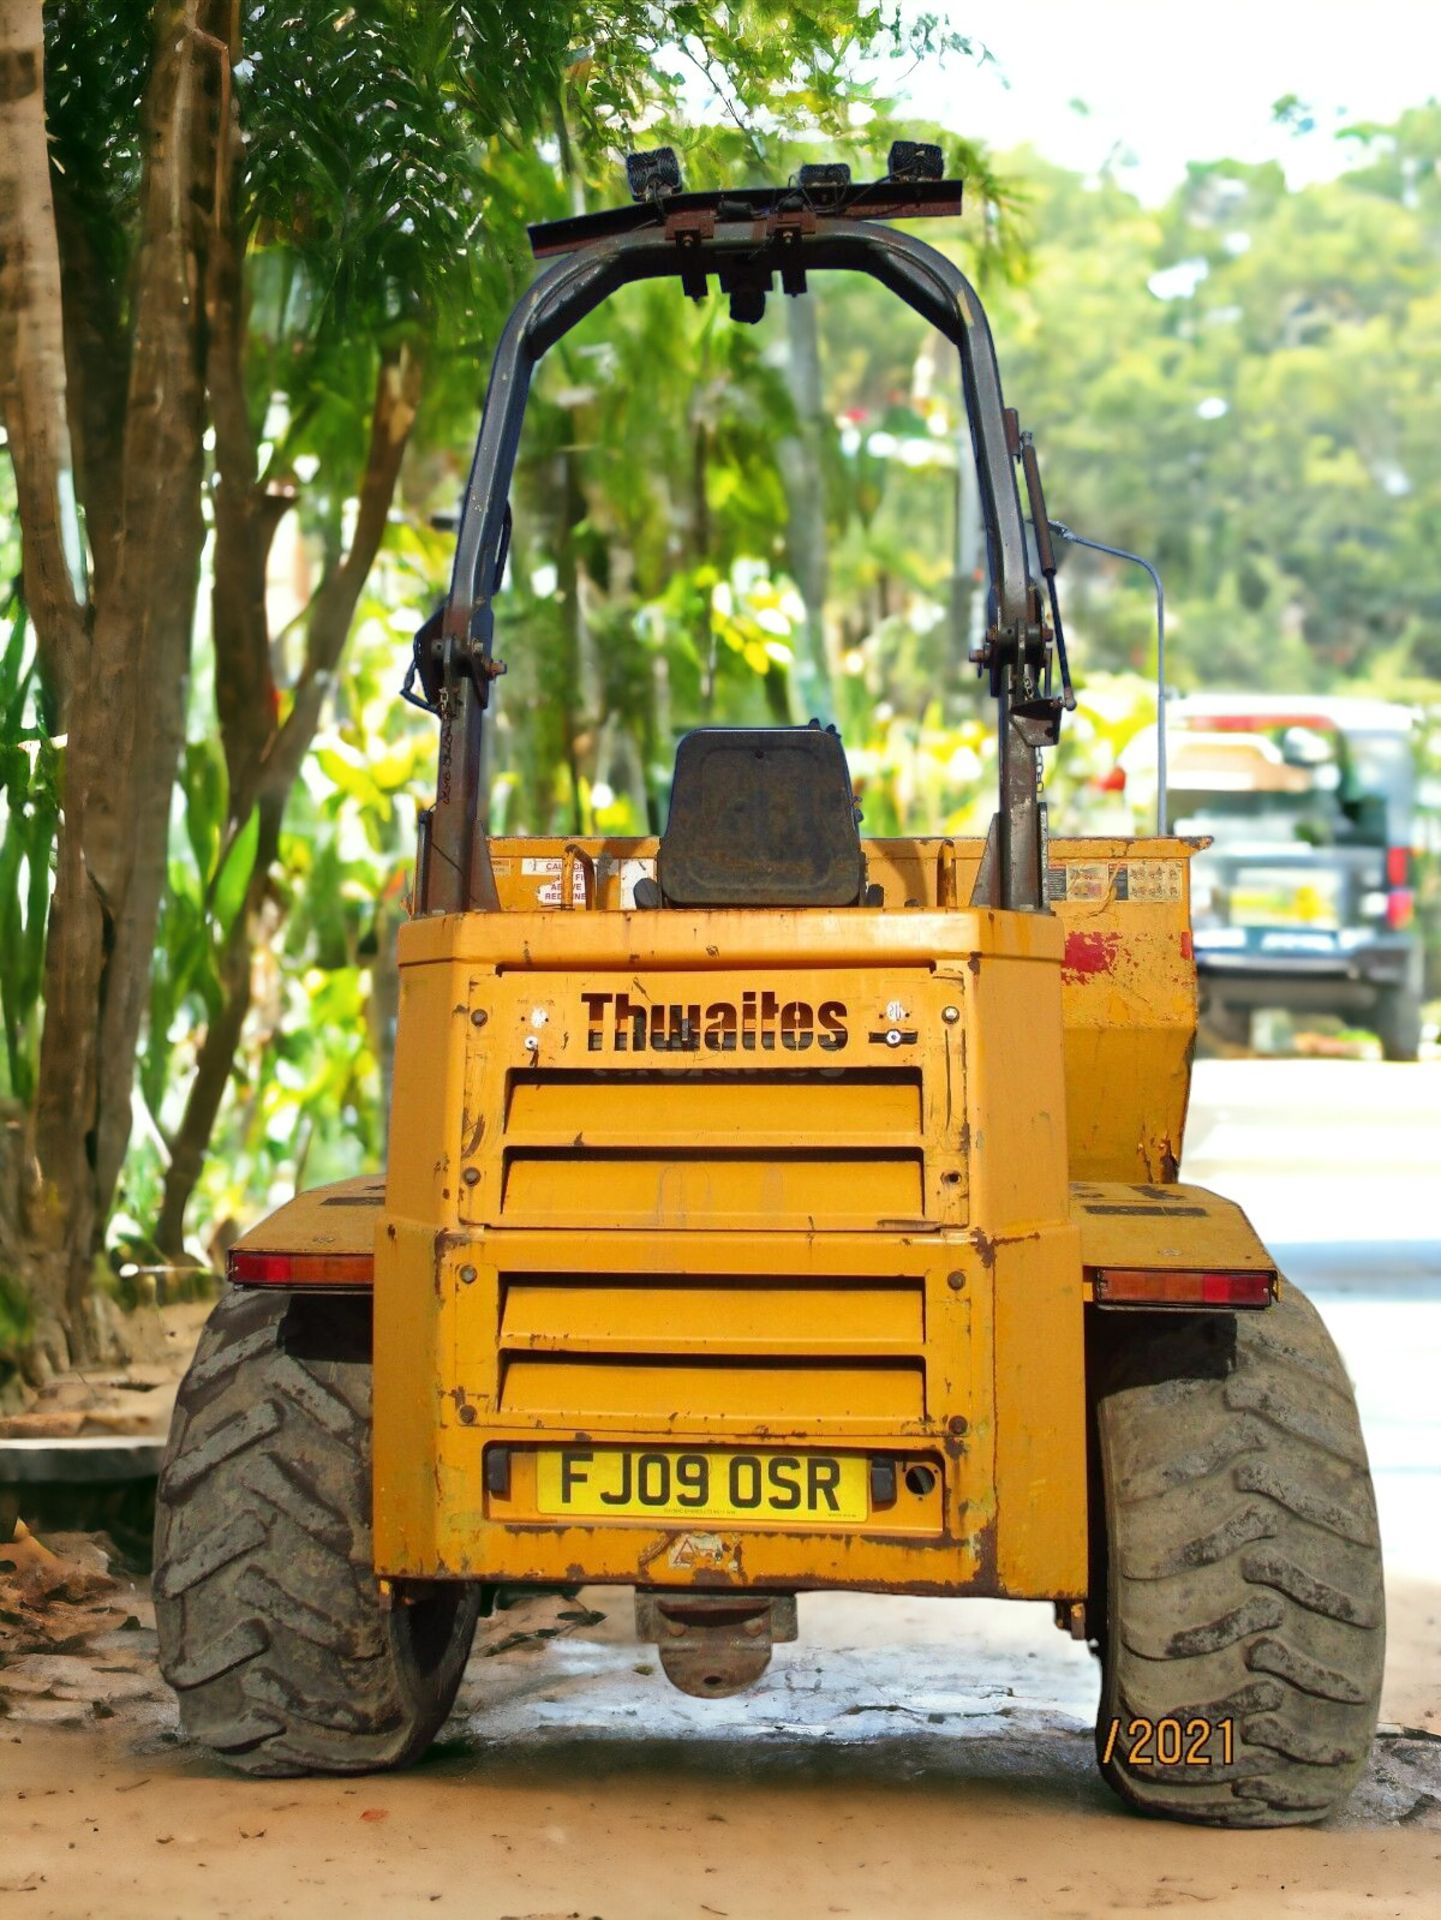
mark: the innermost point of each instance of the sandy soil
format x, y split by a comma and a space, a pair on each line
907, 1758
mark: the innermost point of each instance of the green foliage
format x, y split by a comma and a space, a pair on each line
29, 811
16, 1324
1265, 423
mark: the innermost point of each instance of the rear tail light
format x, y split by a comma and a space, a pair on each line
1132, 1287
1400, 900
250, 1268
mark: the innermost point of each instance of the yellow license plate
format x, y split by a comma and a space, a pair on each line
596, 1483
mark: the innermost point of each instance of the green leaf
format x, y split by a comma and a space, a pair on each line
234, 876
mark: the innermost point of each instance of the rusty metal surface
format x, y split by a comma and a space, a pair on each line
714, 1644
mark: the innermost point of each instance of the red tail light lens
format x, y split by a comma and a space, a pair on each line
1398, 866
250, 1268
1400, 909
1132, 1287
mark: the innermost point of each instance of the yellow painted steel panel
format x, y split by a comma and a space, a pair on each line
336, 1219
777, 1137
1128, 989
723, 938
577, 1107
1165, 1227
614, 1189
834, 1393
742, 1314
415, 1352
427, 1095
950, 1316
434, 1418
1016, 1097
1040, 1417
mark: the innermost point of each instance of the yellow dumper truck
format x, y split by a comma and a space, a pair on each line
771, 1210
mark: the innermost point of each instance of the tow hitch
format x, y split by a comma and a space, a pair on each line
714, 1644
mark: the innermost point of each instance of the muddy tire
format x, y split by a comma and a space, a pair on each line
1240, 1569
270, 1625
1398, 1023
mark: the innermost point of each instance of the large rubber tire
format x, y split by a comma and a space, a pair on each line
1398, 1023
270, 1623
1240, 1566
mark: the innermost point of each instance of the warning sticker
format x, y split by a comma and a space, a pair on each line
1088, 880
550, 871
1154, 880
1101, 880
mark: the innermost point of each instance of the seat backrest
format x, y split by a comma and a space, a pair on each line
761, 817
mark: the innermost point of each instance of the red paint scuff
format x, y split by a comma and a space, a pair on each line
1089, 953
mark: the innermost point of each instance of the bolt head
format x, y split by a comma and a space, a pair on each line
471, 1176
950, 1015
467, 1416
468, 1275
893, 1037
532, 1044
479, 1017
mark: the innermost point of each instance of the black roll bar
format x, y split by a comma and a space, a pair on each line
747, 247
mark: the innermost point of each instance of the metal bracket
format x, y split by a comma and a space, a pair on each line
714, 1644
690, 230
1038, 721
786, 229
1071, 1618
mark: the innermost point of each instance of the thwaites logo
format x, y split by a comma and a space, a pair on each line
761, 1023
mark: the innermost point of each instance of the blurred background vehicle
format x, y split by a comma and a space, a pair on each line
1321, 827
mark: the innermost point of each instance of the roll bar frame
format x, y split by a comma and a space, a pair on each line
743, 246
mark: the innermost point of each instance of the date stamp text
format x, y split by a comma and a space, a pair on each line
1170, 1742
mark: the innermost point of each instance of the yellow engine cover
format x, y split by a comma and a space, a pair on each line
783, 1187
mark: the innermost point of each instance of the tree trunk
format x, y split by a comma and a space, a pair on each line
32, 354
220, 1045
97, 354
264, 763
32, 402
124, 693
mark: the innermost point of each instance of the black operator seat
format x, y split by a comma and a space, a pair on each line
760, 817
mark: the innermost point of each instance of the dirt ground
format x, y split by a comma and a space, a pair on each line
907, 1758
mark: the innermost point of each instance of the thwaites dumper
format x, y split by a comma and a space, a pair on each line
770, 1210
